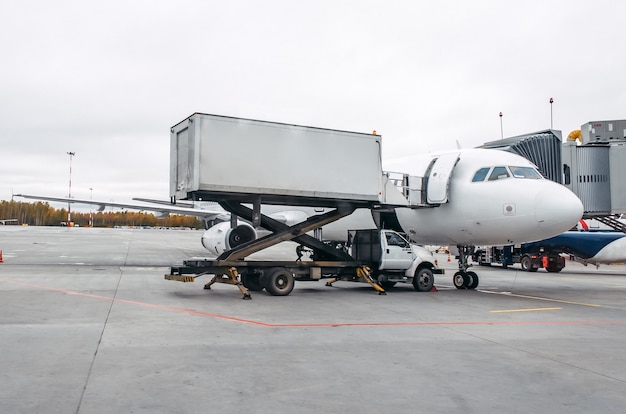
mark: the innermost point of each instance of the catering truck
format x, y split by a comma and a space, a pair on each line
381, 258
245, 165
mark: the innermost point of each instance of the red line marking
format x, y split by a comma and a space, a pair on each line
313, 325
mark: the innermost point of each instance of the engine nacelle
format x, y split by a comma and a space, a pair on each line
222, 237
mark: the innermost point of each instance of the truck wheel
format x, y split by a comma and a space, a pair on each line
252, 282
423, 280
527, 263
553, 269
387, 285
278, 282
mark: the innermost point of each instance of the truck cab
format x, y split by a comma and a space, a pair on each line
393, 259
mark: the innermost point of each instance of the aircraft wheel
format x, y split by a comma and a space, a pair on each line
278, 282
252, 282
551, 269
473, 284
460, 280
527, 263
423, 280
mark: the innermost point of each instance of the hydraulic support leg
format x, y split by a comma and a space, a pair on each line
231, 279
364, 275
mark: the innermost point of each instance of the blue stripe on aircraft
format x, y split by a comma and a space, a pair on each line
582, 244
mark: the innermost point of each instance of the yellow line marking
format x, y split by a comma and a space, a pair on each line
593, 305
524, 310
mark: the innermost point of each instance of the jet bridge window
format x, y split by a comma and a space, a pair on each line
480, 175
498, 173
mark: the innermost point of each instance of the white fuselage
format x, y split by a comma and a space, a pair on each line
492, 212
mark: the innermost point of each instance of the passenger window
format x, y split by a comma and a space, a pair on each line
480, 175
498, 173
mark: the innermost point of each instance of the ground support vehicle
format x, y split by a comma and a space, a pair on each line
381, 258
530, 258
244, 164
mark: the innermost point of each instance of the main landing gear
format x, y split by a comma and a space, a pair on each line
464, 279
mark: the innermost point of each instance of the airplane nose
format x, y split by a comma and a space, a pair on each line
557, 209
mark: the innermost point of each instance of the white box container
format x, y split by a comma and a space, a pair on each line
218, 157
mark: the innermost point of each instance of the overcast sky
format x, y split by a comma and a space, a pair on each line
107, 79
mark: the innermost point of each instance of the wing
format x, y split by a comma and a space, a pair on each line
163, 210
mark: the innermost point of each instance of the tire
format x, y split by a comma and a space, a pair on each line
423, 280
278, 282
252, 282
473, 284
460, 280
387, 285
551, 269
527, 263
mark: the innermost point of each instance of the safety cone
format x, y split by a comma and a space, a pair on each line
448, 256
1, 260
433, 289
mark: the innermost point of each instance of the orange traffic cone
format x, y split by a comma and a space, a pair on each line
1, 260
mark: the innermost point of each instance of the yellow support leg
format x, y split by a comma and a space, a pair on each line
210, 282
234, 280
363, 273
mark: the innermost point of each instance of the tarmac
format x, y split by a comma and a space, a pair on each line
89, 325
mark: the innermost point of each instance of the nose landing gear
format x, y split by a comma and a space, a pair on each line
464, 279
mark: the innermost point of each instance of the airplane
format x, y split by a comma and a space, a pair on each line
474, 197
5, 221
586, 247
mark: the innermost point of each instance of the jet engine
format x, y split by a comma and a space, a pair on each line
222, 237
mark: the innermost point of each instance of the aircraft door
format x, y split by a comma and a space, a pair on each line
439, 178
397, 252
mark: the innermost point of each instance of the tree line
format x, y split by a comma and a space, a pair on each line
42, 214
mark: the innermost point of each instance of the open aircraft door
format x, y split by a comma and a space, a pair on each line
439, 178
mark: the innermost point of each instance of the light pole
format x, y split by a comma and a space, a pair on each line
551, 101
69, 209
501, 130
90, 207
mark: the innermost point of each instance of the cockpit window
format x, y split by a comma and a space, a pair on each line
480, 175
498, 173
525, 172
